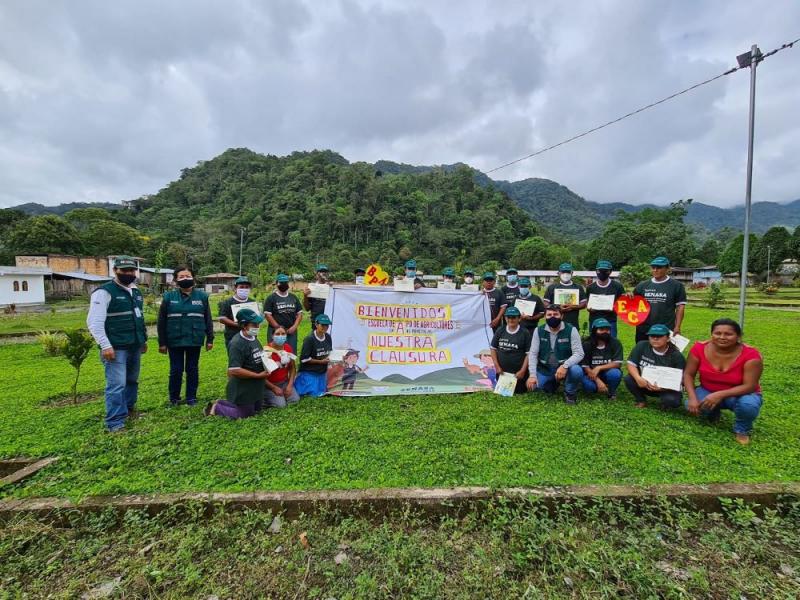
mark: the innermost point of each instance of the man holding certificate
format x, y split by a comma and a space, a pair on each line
315, 294
510, 347
603, 293
530, 306
570, 296
655, 368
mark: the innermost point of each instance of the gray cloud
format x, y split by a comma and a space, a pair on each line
105, 101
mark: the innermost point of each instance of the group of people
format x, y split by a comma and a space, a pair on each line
541, 357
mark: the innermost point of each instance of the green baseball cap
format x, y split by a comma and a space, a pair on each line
603, 264
124, 262
248, 315
601, 322
323, 319
321, 267
449, 272
241, 280
513, 311
511, 270
411, 264
658, 330
659, 261
282, 278
489, 275
469, 271
565, 268
524, 282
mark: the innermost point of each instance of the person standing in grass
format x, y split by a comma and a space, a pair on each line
244, 394
469, 276
729, 373
571, 312
116, 322
241, 294
530, 322
280, 384
605, 286
315, 306
184, 324
313, 377
510, 347
656, 351
358, 275
556, 350
283, 309
497, 301
602, 360
511, 289
667, 298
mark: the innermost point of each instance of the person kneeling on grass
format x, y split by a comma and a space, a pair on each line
556, 350
280, 383
313, 377
602, 360
246, 373
729, 372
656, 351
510, 347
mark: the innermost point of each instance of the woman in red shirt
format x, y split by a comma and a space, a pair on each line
279, 388
729, 372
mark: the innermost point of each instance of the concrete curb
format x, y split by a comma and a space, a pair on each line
383, 500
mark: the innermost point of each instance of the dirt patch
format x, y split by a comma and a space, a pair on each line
65, 399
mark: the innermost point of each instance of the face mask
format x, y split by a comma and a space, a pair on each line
322, 276
468, 279
242, 293
411, 274
279, 339
253, 331
604, 337
360, 280
553, 322
512, 279
565, 277
185, 284
603, 275
283, 286
524, 291
126, 279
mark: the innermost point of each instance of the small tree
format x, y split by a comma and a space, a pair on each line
76, 348
714, 295
633, 274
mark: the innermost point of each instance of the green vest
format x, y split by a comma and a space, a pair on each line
186, 318
125, 316
563, 348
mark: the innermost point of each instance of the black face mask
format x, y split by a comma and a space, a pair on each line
185, 284
125, 278
283, 286
603, 337
554, 321
603, 275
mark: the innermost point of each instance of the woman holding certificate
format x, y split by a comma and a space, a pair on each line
280, 384
655, 368
729, 373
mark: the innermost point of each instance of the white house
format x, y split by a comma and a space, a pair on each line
22, 285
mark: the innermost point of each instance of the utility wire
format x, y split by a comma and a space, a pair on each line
638, 110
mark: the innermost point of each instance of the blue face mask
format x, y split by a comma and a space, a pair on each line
523, 291
411, 274
279, 339
511, 279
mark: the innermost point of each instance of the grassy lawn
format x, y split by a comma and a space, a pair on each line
446, 440
611, 551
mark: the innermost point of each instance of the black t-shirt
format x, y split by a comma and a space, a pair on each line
643, 355
245, 354
532, 324
225, 310
595, 357
496, 300
316, 307
664, 297
572, 317
318, 350
511, 347
510, 294
283, 309
614, 288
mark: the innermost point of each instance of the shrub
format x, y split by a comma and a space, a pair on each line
76, 348
52, 342
713, 295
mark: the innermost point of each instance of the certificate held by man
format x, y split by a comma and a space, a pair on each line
235, 308
526, 307
562, 296
601, 302
667, 378
319, 290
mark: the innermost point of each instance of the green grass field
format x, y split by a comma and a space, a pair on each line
786, 296
445, 440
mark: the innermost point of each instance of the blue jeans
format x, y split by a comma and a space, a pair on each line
611, 377
613, 328
745, 409
547, 382
183, 358
122, 384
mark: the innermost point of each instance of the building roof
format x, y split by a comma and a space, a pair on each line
221, 276
82, 276
4, 270
554, 273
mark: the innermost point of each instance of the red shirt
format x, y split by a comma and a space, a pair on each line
281, 374
714, 380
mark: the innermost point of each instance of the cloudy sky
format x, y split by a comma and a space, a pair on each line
106, 101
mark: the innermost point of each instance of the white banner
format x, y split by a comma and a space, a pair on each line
430, 341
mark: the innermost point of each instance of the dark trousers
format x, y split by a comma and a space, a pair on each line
668, 398
183, 358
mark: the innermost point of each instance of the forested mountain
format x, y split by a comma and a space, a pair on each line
34, 208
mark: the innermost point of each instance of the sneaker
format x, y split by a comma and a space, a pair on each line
612, 396
173, 402
191, 402
742, 438
207, 409
117, 429
571, 399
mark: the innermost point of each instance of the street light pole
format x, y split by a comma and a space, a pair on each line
769, 250
748, 59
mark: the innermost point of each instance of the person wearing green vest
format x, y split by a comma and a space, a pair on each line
241, 295
556, 351
116, 322
184, 324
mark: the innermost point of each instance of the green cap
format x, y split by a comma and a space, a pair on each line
489, 275
282, 278
524, 282
565, 268
323, 319
359, 271
659, 261
658, 330
124, 262
601, 322
321, 267
513, 311
511, 270
248, 315
241, 280
411, 264
469, 271
603, 264
449, 272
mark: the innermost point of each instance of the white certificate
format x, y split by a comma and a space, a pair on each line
526, 307
269, 364
506, 384
446, 285
666, 378
235, 308
565, 296
403, 285
469, 287
680, 341
337, 355
601, 302
319, 290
